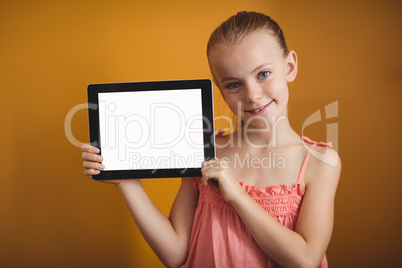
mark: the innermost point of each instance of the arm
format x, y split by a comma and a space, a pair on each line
168, 237
304, 247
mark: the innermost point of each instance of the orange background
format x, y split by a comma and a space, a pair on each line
51, 215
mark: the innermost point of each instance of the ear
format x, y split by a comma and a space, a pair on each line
291, 66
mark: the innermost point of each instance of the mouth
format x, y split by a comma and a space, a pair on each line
259, 110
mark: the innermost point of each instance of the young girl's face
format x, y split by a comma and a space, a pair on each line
252, 76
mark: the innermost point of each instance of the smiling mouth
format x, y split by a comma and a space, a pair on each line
260, 109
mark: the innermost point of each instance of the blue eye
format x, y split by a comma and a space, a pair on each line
232, 85
264, 74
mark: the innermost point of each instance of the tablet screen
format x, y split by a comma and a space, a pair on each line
152, 129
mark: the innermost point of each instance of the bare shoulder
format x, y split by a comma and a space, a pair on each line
316, 217
325, 157
324, 167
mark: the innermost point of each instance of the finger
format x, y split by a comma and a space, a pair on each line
213, 166
89, 148
204, 180
205, 169
224, 163
90, 172
93, 165
210, 181
91, 157
209, 162
210, 175
86, 174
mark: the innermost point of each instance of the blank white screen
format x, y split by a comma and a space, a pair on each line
151, 129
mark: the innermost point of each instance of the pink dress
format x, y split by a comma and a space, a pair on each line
219, 237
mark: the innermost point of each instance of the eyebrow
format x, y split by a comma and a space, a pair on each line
258, 67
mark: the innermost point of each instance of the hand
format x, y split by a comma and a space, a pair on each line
218, 171
92, 162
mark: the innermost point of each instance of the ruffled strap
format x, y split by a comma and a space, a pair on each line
327, 144
308, 154
219, 133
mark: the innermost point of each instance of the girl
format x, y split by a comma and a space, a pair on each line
244, 212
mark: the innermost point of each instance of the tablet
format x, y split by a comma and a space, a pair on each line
159, 129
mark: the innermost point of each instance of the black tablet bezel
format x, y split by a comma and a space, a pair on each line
208, 124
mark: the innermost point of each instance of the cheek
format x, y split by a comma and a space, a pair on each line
278, 89
285, 97
233, 101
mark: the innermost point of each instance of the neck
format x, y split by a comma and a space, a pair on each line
275, 135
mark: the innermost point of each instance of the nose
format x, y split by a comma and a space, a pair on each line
253, 93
